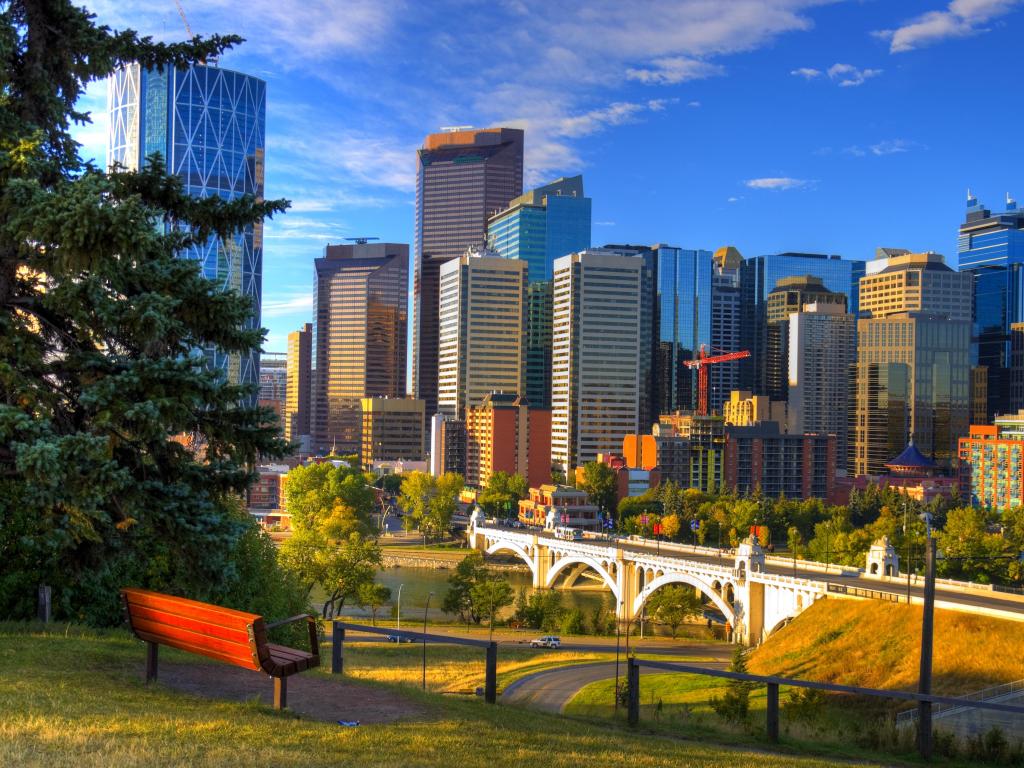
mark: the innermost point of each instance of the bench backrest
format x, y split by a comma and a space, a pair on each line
224, 634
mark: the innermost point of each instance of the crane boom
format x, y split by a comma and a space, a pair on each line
701, 363
184, 19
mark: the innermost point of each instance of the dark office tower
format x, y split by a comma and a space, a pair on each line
725, 325
462, 178
759, 276
991, 247
788, 297
360, 305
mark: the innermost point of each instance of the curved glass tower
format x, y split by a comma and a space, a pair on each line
209, 125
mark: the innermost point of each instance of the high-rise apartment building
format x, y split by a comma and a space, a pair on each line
504, 434
822, 347
758, 277
462, 178
208, 124
273, 383
595, 378
481, 341
297, 403
798, 466
539, 227
745, 409
992, 463
726, 335
790, 295
392, 430
991, 248
359, 336
913, 344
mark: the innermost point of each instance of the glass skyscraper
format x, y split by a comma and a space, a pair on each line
759, 276
991, 247
462, 178
208, 124
538, 227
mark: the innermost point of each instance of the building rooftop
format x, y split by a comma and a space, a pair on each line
911, 458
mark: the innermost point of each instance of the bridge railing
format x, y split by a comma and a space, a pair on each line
993, 692
772, 683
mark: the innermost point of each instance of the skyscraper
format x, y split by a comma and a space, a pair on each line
208, 125
991, 248
542, 225
595, 378
462, 178
759, 275
821, 349
539, 227
725, 325
360, 306
913, 337
273, 383
482, 328
297, 408
790, 295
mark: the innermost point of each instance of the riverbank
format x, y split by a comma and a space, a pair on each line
440, 559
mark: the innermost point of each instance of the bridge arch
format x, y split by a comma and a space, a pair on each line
566, 560
693, 581
515, 549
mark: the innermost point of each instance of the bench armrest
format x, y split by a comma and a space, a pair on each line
314, 640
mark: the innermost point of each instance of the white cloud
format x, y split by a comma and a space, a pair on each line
694, 104
675, 69
288, 304
882, 148
847, 75
807, 73
777, 183
614, 114
734, 199
960, 19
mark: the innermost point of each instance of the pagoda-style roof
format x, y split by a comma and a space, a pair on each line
911, 459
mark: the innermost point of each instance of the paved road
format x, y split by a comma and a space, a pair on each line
998, 600
552, 689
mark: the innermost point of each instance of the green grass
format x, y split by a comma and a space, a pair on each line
75, 699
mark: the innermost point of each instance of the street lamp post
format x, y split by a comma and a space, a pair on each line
399, 627
425, 609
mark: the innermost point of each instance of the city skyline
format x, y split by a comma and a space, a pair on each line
866, 104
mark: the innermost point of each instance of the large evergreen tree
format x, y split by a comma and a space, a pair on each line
100, 323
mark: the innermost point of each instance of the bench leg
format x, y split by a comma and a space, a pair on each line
280, 692
151, 659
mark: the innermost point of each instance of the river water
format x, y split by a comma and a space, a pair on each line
417, 583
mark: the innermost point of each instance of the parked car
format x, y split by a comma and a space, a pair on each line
398, 638
547, 641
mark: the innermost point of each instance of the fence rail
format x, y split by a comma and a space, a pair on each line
340, 628
945, 710
773, 682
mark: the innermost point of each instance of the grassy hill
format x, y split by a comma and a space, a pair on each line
877, 645
74, 698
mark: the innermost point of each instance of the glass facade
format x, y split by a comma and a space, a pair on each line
991, 247
359, 337
758, 277
209, 125
683, 307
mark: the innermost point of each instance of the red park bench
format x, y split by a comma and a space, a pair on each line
224, 634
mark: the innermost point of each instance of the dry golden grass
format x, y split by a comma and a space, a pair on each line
877, 645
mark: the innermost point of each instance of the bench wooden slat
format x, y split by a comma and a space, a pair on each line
199, 650
170, 635
181, 606
232, 634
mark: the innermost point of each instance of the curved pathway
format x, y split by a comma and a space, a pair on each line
551, 689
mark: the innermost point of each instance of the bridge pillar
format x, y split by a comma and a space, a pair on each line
627, 580
541, 561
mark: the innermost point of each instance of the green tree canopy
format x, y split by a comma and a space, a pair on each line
502, 493
372, 595
599, 483
458, 599
335, 500
488, 598
100, 323
672, 605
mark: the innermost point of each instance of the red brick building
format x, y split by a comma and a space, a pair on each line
503, 434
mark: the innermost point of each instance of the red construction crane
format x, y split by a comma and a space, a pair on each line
701, 363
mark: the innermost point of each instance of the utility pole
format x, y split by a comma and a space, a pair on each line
924, 685
906, 535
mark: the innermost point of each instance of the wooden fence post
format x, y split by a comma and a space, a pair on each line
633, 691
491, 674
773, 712
337, 647
43, 604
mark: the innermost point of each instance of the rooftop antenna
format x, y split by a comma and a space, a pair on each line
361, 240
454, 128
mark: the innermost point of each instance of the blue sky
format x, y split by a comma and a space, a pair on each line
770, 125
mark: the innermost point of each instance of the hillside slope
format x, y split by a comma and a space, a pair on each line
76, 699
877, 645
